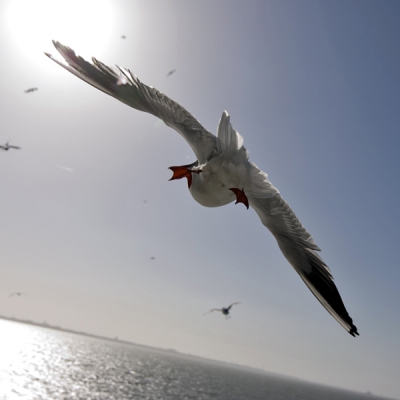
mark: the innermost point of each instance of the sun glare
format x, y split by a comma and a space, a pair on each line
85, 24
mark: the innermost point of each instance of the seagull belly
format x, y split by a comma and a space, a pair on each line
211, 189
212, 198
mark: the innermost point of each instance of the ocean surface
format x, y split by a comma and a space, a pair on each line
42, 363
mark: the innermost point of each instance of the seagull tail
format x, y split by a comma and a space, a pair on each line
229, 137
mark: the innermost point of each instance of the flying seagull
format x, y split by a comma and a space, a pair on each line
224, 310
30, 90
171, 72
221, 174
7, 146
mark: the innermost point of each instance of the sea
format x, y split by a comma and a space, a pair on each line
41, 363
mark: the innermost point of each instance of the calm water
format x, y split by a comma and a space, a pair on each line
39, 363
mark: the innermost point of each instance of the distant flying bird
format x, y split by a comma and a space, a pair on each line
17, 294
30, 90
7, 147
152, 258
224, 310
171, 72
222, 174
123, 37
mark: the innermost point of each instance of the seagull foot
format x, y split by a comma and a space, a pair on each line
183, 172
240, 197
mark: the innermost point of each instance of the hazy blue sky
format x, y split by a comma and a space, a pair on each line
313, 87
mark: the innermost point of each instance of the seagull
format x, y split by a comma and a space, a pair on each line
171, 72
30, 90
221, 174
17, 294
7, 146
224, 310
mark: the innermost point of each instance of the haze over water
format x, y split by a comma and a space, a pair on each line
41, 363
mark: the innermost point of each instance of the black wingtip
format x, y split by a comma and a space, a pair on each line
353, 331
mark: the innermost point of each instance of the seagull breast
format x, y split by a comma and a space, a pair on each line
211, 187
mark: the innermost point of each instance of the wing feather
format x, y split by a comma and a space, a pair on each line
127, 88
299, 248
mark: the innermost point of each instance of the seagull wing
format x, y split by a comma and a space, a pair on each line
13, 147
229, 307
214, 309
299, 248
128, 89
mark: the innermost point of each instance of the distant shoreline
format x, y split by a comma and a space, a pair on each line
82, 333
127, 342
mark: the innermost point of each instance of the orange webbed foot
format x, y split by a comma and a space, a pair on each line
240, 197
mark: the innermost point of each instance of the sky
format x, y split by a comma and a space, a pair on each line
312, 86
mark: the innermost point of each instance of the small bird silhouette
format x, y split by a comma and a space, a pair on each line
30, 90
224, 310
123, 37
7, 146
17, 294
171, 72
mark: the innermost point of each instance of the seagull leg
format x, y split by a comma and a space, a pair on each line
240, 196
183, 172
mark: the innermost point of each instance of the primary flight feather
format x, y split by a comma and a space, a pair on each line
221, 174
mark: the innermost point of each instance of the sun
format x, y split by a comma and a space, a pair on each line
84, 24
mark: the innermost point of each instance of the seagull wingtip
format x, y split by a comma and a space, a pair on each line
354, 332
